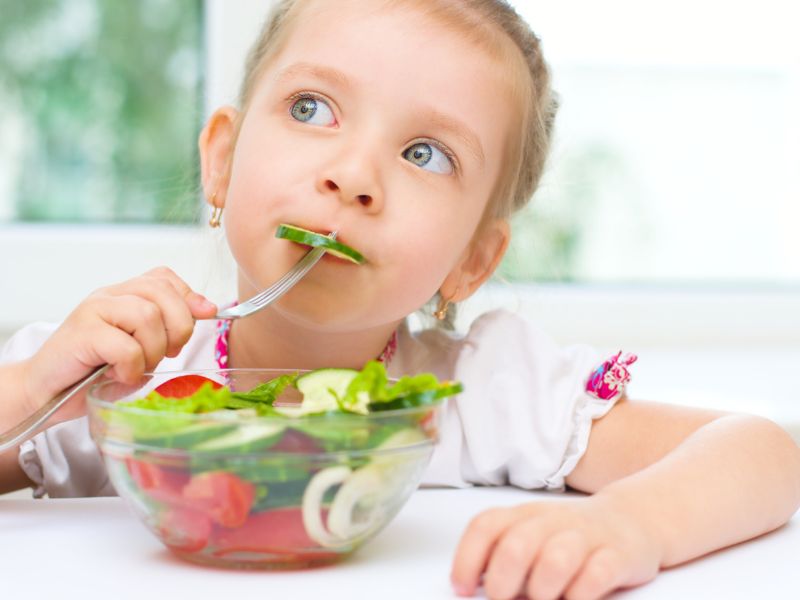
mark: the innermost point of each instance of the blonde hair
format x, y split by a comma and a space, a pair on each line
482, 21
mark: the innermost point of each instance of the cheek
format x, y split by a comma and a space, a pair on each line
259, 189
423, 258
249, 221
266, 158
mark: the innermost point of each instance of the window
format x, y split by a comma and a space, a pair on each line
665, 216
99, 110
677, 146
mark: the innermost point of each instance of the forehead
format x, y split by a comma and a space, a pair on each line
400, 52
428, 34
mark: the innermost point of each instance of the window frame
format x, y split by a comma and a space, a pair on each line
48, 269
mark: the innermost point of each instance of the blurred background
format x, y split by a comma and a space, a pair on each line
667, 222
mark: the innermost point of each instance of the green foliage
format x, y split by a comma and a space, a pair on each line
107, 97
547, 234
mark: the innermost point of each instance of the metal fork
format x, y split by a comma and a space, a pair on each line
16, 435
277, 289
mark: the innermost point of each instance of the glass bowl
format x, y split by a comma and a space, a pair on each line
232, 489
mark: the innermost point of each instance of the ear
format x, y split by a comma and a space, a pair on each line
216, 143
478, 262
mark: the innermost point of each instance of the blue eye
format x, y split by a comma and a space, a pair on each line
307, 109
429, 157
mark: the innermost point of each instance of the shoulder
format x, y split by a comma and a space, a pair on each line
524, 415
499, 339
512, 339
509, 350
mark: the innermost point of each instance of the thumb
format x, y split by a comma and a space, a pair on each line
200, 306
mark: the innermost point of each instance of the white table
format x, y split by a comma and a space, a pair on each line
94, 548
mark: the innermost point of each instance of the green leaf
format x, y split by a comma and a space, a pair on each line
419, 398
370, 390
205, 399
266, 393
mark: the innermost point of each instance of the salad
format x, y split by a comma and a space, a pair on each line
296, 470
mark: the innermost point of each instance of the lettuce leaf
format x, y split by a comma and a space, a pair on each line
205, 399
268, 392
370, 390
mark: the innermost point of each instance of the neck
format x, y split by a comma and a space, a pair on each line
268, 340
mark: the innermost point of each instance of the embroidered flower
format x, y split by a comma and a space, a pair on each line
608, 381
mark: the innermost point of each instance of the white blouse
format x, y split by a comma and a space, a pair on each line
523, 418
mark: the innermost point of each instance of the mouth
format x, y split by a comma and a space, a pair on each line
334, 248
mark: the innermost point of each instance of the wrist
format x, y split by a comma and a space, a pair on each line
17, 402
28, 389
644, 512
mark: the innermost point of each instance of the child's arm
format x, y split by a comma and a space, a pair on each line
670, 483
12, 411
12, 477
132, 326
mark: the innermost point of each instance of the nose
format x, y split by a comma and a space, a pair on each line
353, 178
366, 200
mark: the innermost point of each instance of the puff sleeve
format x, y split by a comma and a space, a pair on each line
525, 416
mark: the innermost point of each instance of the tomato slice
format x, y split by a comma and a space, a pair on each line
184, 529
160, 483
224, 497
184, 385
279, 531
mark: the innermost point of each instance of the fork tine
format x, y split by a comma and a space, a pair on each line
301, 267
280, 288
288, 280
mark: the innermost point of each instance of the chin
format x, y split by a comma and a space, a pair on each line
315, 311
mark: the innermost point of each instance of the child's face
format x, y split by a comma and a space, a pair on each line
349, 129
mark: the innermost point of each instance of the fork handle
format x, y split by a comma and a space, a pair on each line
19, 433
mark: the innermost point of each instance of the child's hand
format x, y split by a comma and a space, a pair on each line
132, 326
577, 549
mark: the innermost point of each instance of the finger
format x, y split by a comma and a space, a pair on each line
111, 346
475, 547
603, 572
558, 561
175, 312
512, 558
141, 319
199, 305
120, 350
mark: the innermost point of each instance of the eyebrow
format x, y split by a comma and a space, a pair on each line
436, 118
305, 69
457, 129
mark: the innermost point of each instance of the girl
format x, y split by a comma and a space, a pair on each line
415, 128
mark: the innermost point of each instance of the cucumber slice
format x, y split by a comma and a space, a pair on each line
184, 437
245, 438
311, 238
320, 389
417, 399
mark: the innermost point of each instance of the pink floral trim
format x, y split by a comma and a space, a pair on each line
221, 344
608, 381
224, 331
388, 352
